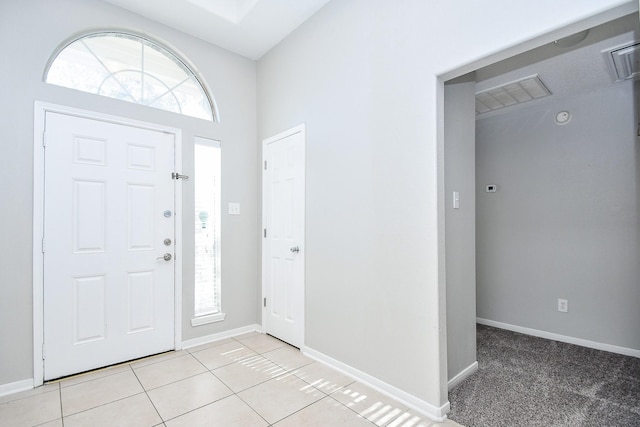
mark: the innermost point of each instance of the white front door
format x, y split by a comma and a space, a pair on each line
109, 206
283, 235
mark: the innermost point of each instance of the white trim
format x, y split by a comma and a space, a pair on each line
40, 110
220, 336
296, 129
16, 387
438, 414
177, 232
463, 375
562, 338
209, 318
38, 233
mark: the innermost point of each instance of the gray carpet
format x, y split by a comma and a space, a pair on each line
528, 381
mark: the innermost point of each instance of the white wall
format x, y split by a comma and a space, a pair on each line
565, 221
460, 223
30, 31
362, 76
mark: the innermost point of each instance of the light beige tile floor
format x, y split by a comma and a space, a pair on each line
246, 381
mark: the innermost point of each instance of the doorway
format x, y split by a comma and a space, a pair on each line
107, 288
487, 195
283, 243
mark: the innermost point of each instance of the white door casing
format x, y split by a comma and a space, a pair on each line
106, 297
283, 248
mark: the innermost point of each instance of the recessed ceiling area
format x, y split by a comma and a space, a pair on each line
233, 11
247, 27
564, 71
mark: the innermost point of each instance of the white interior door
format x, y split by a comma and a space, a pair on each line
108, 290
283, 242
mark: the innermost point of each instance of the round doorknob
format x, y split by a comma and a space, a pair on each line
166, 257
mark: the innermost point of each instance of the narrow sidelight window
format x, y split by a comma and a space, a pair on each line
207, 229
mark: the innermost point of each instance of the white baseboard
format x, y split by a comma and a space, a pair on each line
220, 335
462, 375
16, 387
562, 338
438, 414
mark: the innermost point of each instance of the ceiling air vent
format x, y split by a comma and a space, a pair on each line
517, 92
624, 61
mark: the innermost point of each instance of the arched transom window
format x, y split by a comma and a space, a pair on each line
132, 68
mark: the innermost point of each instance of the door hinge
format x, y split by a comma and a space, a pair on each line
44, 139
265, 165
265, 233
176, 175
44, 352
264, 302
43, 246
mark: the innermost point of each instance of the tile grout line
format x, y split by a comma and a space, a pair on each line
215, 376
329, 395
192, 350
147, 394
106, 403
252, 408
103, 404
352, 410
62, 380
291, 372
60, 397
199, 407
210, 371
286, 371
229, 364
24, 397
172, 382
172, 352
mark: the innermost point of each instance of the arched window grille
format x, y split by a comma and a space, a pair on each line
131, 68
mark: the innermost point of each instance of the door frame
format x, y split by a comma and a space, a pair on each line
40, 111
302, 130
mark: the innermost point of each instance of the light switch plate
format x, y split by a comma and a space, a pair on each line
234, 208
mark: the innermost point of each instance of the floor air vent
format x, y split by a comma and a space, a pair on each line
516, 92
624, 61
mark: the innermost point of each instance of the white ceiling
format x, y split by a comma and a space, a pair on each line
252, 27
247, 27
564, 71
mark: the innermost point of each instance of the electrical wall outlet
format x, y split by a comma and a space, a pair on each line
563, 305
